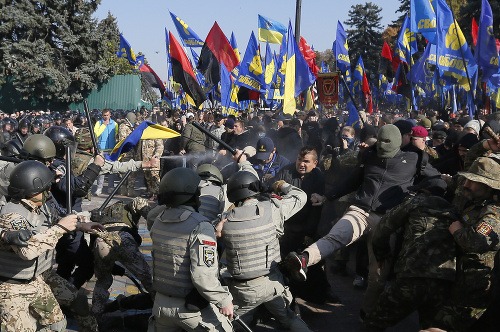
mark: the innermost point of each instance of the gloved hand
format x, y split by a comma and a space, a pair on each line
278, 187
96, 215
17, 238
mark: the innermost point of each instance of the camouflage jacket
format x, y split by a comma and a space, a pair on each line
148, 148
428, 249
123, 131
127, 214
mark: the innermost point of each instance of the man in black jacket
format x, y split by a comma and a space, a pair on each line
381, 182
301, 228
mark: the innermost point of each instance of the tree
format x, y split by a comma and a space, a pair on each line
109, 44
404, 9
326, 56
364, 35
472, 9
51, 52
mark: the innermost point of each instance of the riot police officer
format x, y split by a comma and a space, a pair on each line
189, 295
250, 234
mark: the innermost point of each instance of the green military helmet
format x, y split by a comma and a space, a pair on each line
131, 117
39, 147
241, 185
83, 139
29, 178
210, 173
178, 186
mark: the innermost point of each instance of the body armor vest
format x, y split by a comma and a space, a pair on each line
252, 247
170, 234
211, 200
14, 266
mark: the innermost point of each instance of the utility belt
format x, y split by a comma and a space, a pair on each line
15, 281
250, 279
132, 231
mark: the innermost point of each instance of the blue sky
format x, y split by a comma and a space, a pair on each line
142, 22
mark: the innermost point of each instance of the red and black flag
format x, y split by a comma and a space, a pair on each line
152, 78
386, 60
215, 51
183, 73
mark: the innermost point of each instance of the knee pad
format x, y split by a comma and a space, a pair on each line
80, 305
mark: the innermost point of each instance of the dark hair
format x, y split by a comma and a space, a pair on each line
308, 149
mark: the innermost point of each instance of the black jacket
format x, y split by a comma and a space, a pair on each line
288, 143
382, 183
307, 219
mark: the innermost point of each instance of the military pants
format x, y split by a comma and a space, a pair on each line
127, 253
28, 307
406, 295
353, 224
68, 296
270, 291
170, 315
152, 178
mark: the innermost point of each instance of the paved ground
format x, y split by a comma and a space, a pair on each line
340, 317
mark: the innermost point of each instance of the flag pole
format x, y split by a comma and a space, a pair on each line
476, 114
352, 98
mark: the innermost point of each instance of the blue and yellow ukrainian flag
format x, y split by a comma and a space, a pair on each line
146, 130
270, 30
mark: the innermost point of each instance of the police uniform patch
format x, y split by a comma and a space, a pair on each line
15, 221
208, 255
484, 228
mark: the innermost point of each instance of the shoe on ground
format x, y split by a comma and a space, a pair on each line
359, 282
98, 193
296, 265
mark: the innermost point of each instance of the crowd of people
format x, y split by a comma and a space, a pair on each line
247, 212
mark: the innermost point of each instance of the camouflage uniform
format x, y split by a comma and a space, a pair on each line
425, 266
121, 243
128, 187
146, 150
431, 152
473, 289
28, 301
478, 245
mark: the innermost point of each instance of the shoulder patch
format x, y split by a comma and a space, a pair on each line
207, 255
14, 221
209, 243
484, 228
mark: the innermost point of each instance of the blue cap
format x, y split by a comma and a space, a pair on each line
265, 147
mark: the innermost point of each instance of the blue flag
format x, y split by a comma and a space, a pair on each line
486, 52
251, 73
341, 50
271, 31
234, 45
225, 89
188, 37
353, 116
270, 71
357, 77
126, 51
452, 48
423, 19
406, 44
146, 130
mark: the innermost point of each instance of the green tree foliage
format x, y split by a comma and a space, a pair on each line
364, 35
326, 56
109, 45
403, 9
472, 9
52, 52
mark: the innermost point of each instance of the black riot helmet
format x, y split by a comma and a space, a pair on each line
241, 185
62, 138
178, 186
12, 148
29, 178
